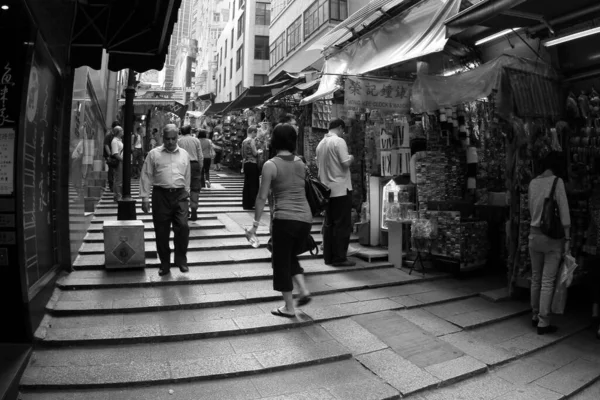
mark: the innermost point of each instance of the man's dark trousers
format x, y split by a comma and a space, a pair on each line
170, 206
111, 177
337, 228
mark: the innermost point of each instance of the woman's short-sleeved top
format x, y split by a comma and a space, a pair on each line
247, 154
289, 196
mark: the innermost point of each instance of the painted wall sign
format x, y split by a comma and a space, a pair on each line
385, 95
7, 160
6, 84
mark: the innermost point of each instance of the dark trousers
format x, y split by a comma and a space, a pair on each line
251, 184
170, 207
337, 228
289, 239
205, 176
111, 177
196, 183
138, 162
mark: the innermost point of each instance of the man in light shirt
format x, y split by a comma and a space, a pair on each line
167, 172
192, 145
334, 164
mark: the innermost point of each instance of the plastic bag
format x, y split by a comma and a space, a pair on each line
563, 281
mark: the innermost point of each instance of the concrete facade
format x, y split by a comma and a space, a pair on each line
296, 56
230, 84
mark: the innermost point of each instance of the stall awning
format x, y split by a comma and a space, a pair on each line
293, 89
415, 33
355, 23
254, 96
135, 33
216, 108
150, 102
527, 85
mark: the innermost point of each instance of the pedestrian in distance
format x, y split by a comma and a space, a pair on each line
192, 145
107, 153
546, 253
250, 167
167, 174
116, 148
292, 220
217, 142
137, 152
208, 153
334, 164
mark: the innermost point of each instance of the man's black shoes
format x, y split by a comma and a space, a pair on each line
346, 263
194, 215
184, 268
164, 271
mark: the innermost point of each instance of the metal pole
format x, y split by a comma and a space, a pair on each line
126, 208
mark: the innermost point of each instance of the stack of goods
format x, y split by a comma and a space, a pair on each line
524, 261
440, 176
474, 243
448, 243
492, 164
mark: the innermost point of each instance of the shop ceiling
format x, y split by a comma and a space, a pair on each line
135, 33
539, 18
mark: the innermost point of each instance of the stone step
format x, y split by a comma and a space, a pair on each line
194, 360
149, 226
525, 365
148, 218
201, 203
95, 279
202, 210
118, 300
98, 237
208, 243
336, 380
226, 320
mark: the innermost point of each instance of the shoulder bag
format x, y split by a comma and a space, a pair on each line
317, 194
112, 161
550, 224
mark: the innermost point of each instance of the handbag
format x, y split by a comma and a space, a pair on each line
317, 194
112, 161
550, 224
309, 245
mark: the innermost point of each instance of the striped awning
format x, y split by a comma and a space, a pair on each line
151, 102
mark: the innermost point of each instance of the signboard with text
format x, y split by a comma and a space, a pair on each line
385, 95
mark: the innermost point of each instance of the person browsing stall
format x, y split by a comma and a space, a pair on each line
191, 144
334, 164
167, 173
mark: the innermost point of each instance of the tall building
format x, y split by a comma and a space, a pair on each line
209, 18
181, 32
243, 49
296, 25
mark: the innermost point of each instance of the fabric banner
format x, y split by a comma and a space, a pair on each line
384, 95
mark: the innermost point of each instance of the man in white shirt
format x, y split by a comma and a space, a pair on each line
167, 172
334, 164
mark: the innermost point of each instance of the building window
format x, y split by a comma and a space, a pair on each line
225, 48
224, 76
263, 14
219, 80
260, 80
277, 50
229, 97
239, 57
338, 10
261, 47
238, 89
293, 35
315, 16
242, 3
241, 25
233, 11
216, 17
231, 68
232, 38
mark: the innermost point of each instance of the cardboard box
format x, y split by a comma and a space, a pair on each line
124, 244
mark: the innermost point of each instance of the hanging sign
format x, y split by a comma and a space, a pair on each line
7, 160
382, 94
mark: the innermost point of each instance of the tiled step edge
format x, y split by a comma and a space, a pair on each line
222, 299
91, 377
65, 283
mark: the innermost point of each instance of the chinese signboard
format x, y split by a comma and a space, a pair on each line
385, 95
7, 156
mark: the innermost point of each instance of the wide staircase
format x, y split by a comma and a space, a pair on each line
372, 331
